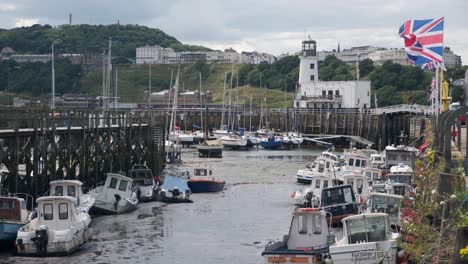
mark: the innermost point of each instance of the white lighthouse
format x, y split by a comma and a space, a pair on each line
308, 69
316, 94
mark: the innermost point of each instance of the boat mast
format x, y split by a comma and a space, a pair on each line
250, 115
174, 104
53, 81
230, 122
224, 100
201, 102
261, 105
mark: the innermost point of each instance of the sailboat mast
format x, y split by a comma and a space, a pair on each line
116, 87
224, 100
201, 102
261, 105
250, 115
53, 79
230, 123
109, 73
174, 104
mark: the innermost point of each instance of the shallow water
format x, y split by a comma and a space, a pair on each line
232, 226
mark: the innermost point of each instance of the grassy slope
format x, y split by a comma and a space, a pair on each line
133, 81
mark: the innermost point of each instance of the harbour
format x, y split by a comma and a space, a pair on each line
231, 226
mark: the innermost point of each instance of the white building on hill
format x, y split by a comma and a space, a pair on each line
315, 94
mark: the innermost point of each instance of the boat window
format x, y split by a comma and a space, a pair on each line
325, 183
368, 174
59, 190
71, 191
317, 224
113, 183
123, 185
327, 165
376, 229
317, 183
7, 205
48, 211
358, 163
399, 190
200, 172
351, 162
63, 211
321, 168
23, 205
302, 224
356, 230
350, 182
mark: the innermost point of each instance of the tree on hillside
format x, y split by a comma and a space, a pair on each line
388, 95
366, 66
403, 78
333, 69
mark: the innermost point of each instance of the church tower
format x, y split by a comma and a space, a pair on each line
308, 67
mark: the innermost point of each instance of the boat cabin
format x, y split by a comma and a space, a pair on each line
373, 175
386, 203
57, 211
306, 242
13, 209
201, 174
401, 169
377, 160
141, 175
400, 154
70, 188
358, 182
308, 228
354, 161
117, 184
340, 201
365, 228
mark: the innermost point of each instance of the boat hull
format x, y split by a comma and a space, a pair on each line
26, 247
271, 144
206, 186
304, 179
123, 206
207, 152
8, 231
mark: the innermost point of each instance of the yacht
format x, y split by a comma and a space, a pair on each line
115, 196
59, 228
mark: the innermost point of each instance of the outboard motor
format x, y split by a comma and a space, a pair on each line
175, 192
308, 199
117, 199
41, 240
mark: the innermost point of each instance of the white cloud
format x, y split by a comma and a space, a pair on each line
26, 22
4, 7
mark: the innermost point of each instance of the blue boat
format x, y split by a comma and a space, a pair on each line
202, 181
272, 143
13, 215
175, 190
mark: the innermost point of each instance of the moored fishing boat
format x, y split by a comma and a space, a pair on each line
202, 181
142, 176
13, 215
210, 149
59, 228
115, 196
367, 239
175, 190
339, 201
306, 242
73, 189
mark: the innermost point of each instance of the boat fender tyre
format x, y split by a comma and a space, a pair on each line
41, 240
308, 196
138, 193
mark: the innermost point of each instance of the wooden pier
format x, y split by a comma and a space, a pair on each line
38, 146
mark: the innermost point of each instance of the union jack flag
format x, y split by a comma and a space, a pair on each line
424, 40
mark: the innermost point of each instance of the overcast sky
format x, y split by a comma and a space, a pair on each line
273, 26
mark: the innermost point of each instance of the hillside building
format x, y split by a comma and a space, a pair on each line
312, 93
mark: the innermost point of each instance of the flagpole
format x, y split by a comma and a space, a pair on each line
437, 94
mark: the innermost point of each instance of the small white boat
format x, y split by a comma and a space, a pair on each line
115, 196
367, 239
59, 228
373, 175
306, 242
323, 165
310, 196
73, 189
233, 141
142, 176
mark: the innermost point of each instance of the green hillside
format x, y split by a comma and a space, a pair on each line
86, 39
133, 81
